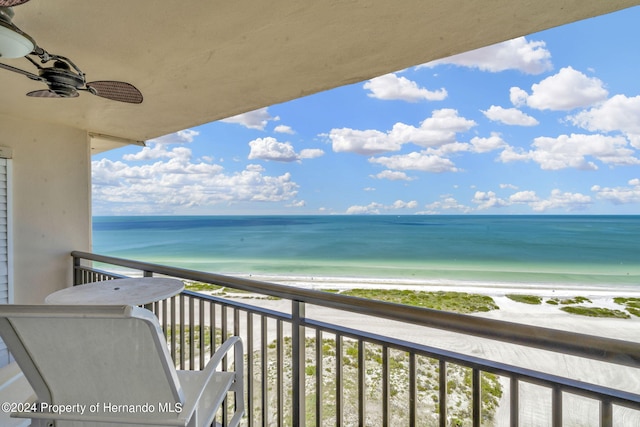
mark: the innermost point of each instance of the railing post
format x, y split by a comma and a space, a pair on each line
386, 389
362, 400
264, 363
150, 305
279, 374
556, 406
413, 390
442, 391
476, 403
298, 364
76, 271
319, 385
514, 403
606, 414
339, 382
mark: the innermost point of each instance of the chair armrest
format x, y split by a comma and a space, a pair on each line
210, 370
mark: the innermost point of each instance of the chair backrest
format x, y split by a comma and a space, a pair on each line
113, 355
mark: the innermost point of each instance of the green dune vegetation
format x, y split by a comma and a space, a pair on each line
631, 304
526, 299
459, 302
458, 386
573, 305
595, 311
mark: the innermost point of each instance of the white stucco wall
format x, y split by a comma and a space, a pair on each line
51, 204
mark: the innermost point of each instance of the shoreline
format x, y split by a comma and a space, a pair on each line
492, 288
601, 295
543, 314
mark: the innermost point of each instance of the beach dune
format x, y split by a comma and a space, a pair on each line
535, 400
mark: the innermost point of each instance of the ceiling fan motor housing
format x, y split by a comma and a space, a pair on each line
62, 80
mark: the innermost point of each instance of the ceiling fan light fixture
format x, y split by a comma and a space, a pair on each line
13, 42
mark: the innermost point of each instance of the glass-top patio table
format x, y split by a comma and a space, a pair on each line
133, 291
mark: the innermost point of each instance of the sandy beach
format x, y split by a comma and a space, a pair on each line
576, 410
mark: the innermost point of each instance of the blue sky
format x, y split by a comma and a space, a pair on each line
543, 124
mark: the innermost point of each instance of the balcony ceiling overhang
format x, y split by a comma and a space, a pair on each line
199, 61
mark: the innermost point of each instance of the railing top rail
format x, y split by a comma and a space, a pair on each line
582, 345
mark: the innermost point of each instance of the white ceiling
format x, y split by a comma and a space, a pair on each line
197, 61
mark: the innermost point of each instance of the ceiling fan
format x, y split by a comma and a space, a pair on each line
63, 78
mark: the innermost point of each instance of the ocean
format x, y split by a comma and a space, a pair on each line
563, 250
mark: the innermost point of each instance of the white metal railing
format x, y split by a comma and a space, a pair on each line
302, 370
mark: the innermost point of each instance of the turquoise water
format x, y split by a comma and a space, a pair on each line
594, 250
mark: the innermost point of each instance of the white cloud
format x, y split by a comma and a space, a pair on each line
509, 186
566, 90
618, 113
518, 96
154, 151
524, 197
437, 134
435, 160
484, 145
509, 116
573, 151
284, 129
375, 208
399, 204
297, 204
178, 183
311, 153
256, 119
439, 129
449, 149
619, 195
446, 203
392, 87
366, 142
559, 200
529, 57
179, 137
370, 209
489, 199
157, 147
271, 149
392, 176
416, 161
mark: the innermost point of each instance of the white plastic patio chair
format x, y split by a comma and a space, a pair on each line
113, 360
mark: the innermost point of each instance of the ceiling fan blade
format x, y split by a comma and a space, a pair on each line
117, 91
48, 93
11, 3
